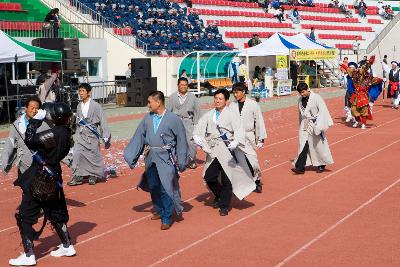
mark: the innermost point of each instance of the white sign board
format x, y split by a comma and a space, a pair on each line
284, 87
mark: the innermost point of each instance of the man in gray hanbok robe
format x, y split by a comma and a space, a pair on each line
253, 123
15, 149
87, 158
226, 169
185, 105
314, 119
161, 138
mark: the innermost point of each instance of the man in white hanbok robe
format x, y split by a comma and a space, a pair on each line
253, 123
314, 120
221, 135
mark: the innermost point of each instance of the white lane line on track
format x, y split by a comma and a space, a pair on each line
267, 206
271, 131
118, 228
332, 227
277, 165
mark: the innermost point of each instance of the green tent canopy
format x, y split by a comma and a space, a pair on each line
212, 64
10, 47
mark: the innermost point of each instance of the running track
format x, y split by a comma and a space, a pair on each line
347, 216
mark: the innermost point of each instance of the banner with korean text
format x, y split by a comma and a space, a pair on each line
312, 54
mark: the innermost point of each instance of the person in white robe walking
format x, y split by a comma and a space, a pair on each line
314, 120
221, 135
253, 123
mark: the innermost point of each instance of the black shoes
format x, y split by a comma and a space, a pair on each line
215, 203
320, 169
297, 171
223, 211
258, 186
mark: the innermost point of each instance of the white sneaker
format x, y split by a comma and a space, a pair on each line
355, 124
61, 251
348, 119
23, 260
363, 127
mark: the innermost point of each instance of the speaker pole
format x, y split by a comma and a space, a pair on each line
62, 72
8, 100
17, 76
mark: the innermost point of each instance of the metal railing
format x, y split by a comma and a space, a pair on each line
105, 92
41, 29
382, 34
73, 10
331, 70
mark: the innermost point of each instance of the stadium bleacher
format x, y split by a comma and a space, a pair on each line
160, 25
238, 22
209, 24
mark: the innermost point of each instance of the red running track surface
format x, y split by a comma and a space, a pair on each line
346, 216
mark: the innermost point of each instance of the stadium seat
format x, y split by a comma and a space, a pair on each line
15, 7
344, 46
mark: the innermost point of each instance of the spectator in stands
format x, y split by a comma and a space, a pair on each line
310, 3
156, 16
389, 12
263, 4
128, 72
362, 7
385, 11
301, 2
255, 40
312, 34
279, 14
275, 4
295, 16
50, 25
334, 4
355, 4
56, 23
356, 46
345, 10
188, 3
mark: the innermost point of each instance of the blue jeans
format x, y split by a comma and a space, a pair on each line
162, 202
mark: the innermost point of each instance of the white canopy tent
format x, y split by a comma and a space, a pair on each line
9, 49
279, 44
14, 51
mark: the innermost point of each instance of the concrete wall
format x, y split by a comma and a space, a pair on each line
88, 48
